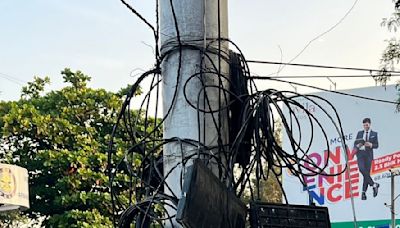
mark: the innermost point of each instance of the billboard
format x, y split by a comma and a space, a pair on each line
14, 191
372, 133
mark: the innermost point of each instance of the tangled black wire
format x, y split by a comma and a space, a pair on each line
140, 192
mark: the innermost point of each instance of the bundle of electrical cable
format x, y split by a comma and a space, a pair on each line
252, 145
139, 191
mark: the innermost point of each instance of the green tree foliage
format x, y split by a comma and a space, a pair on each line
391, 55
61, 137
270, 189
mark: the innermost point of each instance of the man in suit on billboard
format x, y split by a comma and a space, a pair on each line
365, 143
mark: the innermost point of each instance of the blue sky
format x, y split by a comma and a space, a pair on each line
104, 40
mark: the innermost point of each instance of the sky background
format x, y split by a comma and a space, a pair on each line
106, 41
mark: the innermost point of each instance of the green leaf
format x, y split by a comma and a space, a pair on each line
61, 138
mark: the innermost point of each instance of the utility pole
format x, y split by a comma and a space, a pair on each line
392, 200
198, 23
393, 173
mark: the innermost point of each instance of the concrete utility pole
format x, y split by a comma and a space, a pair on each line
199, 22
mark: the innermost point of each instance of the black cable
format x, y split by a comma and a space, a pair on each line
140, 17
319, 76
12, 79
258, 112
324, 33
337, 92
320, 66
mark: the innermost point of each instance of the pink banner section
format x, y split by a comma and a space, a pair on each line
384, 163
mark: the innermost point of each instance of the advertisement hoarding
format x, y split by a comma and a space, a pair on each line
370, 156
14, 190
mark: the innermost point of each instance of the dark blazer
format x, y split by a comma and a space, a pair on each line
373, 138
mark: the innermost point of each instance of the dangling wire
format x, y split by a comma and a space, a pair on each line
138, 176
